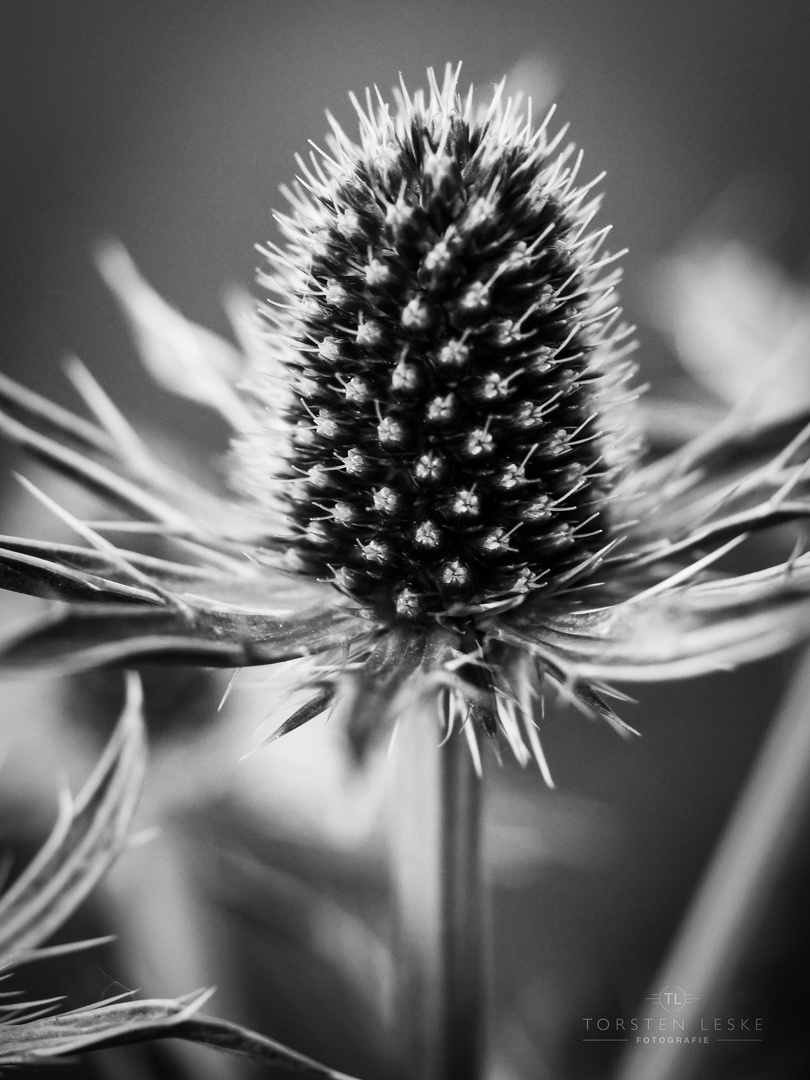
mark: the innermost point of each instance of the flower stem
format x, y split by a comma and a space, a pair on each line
439, 899
753, 858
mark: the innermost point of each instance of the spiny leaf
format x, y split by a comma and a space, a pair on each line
90, 636
52, 1038
213, 576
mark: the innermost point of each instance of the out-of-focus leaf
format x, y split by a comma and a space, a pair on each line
89, 835
670, 422
282, 902
741, 326
183, 357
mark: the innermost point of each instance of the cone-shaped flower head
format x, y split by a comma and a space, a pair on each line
454, 430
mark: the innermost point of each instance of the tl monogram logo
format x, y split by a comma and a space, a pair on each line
673, 998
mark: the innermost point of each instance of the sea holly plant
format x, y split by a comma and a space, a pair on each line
441, 502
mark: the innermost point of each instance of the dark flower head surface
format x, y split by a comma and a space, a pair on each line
453, 371
441, 495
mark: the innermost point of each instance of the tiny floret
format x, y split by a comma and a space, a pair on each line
329, 349
428, 534
387, 500
377, 272
479, 441
454, 354
369, 333
358, 390
430, 467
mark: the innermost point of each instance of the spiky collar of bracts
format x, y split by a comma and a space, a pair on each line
442, 498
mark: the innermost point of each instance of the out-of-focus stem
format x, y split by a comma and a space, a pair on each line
757, 848
439, 898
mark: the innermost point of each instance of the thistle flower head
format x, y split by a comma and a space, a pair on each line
450, 431
441, 494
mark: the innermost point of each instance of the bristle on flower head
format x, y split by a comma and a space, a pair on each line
451, 424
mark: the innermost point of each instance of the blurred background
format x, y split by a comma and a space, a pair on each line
171, 127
